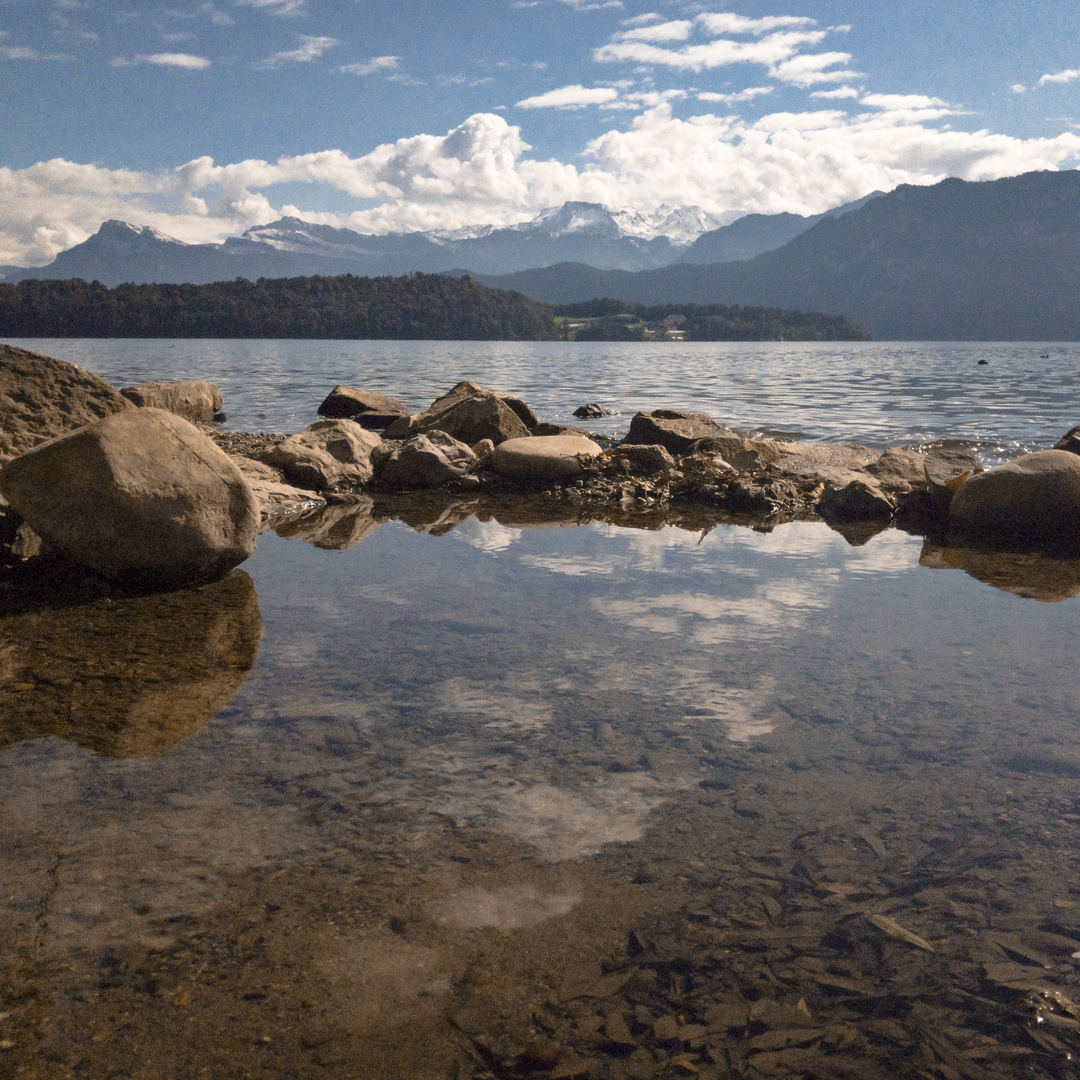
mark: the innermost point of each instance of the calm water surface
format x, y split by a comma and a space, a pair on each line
408, 798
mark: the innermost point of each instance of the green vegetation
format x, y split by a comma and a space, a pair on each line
617, 320
416, 306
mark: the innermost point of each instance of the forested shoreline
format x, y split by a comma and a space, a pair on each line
412, 307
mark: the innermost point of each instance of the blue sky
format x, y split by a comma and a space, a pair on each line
205, 118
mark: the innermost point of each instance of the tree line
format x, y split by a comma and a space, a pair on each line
415, 306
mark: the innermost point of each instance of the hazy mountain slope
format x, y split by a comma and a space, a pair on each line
997, 260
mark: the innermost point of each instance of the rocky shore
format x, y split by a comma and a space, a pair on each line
144, 489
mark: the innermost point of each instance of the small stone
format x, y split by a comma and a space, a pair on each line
540, 1056
616, 1030
181, 998
665, 1028
591, 411
6, 1044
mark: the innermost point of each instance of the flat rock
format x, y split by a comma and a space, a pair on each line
675, 431
542, 457
329, 455
426, 461
141, 497
42, 397
469, 413
1033, 499
369, 410
193, 399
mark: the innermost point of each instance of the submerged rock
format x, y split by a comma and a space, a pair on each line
127, 676
426, 461
141, 497
469, 413
369, 410
329, 455
1034, 499
542, 457
42, 398
193, 399
591, 411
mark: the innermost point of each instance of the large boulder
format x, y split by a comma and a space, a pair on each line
329, 455
1033, 499
469, 413
369, 410
675, 431
426, 461
542, 457
129, 678
141, 497
193, 399
42, 397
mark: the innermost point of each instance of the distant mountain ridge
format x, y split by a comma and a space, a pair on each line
574, 232
956, 261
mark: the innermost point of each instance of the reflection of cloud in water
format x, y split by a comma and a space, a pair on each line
745, 714
502, 709
570, 565
890, 552
486, 535
505, 908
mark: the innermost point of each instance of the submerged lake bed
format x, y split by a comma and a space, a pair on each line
473, 791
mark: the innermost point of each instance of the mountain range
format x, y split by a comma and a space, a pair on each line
574, 232
955, 261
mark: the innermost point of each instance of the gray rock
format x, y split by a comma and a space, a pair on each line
141, 497
329, 455
42, 397
369, 410
644, 460
542, 457
1033, 499
426, 461
468, 413
591, 411
675, 431
192, 399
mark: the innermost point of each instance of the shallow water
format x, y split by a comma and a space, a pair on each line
878, 393
412, 801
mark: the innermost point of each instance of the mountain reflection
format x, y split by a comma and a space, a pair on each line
128, 676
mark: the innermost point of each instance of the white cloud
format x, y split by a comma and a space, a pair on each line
810, 68
180, 60
839, 92
569, 97
641, 20
280, 8
748, 94
677, 30
592, 5
24, 52
311, 48
480, 172
369, 67
902, 101
1060, 77
728, 23
1018, 88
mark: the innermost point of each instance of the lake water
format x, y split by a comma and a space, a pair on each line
470, 784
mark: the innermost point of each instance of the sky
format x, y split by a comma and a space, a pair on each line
204, 118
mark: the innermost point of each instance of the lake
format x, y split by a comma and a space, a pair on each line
475, 790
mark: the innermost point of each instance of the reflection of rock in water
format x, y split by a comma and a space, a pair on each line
128, 676
1031, 575
333, 527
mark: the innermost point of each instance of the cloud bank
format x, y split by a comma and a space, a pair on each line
481, 172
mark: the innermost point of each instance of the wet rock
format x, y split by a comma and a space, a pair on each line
127, 676
1034, 499
426, 461
857, 499
276, 498
542, 457
141, 497
591, 411
329, 455
1028, 574
644, 460
333, 528
675, 431
192, 399
469, 413
42, 397
369, 410
1070, 441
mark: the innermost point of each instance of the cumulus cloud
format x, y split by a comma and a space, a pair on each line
1060, 77
570, 97
369, 67
676, 30
481, 172
839, 92
728, 23
311, 48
